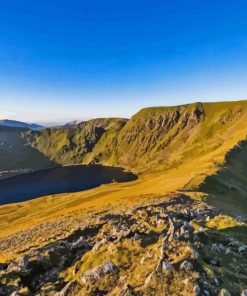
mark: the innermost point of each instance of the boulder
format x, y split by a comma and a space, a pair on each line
163, 265
99, 244
126, 291
224, 292
194, 254
242, 250
216, 282
215, 247
71, 288
19, 265
79, 244
197, 290
213, 262
136, 236
228, 250
99, 271
166, 265
186, 265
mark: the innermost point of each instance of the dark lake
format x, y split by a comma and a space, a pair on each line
62, 179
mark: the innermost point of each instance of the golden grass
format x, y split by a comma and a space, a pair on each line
223, 222
201, 157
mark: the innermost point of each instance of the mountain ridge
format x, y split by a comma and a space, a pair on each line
20, 124
154, 138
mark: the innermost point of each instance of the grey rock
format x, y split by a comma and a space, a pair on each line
70, 289
216, 282
215, 247
79, 244
19, 265
99, 244
186, 265
166, 265
242, 250
213, 262
194, 254
99, 272
136, 236
163, 265
224, 292
197, 290
126, 291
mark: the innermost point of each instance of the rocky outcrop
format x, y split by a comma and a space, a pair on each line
71, 289
162, 246
99, 271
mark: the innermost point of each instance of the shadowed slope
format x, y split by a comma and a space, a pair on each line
73, 145
227, 188
16, 156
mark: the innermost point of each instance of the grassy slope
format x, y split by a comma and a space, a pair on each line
192, 153
72, 145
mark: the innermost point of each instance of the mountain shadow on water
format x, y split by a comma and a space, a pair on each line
59, 180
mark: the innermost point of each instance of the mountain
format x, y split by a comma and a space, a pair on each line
153, 139
20, 124
180, 228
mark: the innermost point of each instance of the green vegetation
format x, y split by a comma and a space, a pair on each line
197, 151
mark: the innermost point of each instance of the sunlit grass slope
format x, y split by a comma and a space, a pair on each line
172, 149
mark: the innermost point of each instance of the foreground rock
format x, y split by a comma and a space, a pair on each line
163, 246
98, 272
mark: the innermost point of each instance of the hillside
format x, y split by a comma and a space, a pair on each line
15, 155
20, 124
227, 188
153, 139
74, 145
179, 229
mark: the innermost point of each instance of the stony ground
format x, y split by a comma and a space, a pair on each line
174, 246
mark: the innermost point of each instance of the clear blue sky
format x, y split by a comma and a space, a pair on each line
83, 59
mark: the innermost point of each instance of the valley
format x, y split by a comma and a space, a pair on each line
177, 227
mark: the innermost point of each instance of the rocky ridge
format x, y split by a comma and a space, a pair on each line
161, 248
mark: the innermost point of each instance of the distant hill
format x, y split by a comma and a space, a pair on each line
20, 124
72, 124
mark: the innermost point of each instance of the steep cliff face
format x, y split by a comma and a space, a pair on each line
155, 136
164, 137
73, 145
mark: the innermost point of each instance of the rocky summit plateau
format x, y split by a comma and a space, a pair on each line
166, 213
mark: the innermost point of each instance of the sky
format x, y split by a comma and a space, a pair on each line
77, 59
